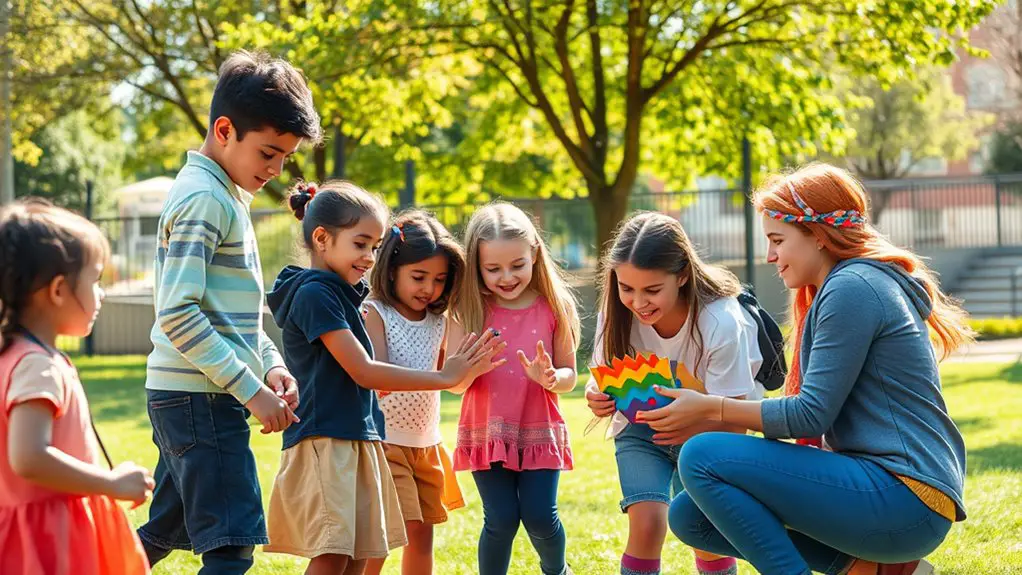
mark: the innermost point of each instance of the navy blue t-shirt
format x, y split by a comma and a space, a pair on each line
307, 304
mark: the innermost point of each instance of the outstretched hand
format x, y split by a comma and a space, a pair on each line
540, 368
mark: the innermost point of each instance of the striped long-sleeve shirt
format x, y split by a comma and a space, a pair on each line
208, 336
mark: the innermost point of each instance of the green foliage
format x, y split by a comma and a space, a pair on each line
1006, 150
73, 150
913, 119
672, 86
997, 328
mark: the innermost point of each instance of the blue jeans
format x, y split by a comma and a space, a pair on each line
528, 497
646, 471
207, 497
788, 509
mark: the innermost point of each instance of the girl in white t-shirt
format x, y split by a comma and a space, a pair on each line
418, 270
659, 297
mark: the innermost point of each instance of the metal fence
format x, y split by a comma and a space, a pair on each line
920, 213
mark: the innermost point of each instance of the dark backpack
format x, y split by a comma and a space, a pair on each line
771, 342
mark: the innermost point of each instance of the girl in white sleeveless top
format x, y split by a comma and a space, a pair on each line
419, 267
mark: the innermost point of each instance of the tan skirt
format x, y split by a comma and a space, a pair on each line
334, 496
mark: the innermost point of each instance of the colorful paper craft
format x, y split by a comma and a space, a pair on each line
629, 381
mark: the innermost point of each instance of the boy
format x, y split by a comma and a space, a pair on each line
212, 363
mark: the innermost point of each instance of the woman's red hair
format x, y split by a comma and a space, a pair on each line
826, 188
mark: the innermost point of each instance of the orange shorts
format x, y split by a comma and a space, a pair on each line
426, 486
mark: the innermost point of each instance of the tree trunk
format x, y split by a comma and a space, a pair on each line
340, 153
881, 199
319, 158
609, 208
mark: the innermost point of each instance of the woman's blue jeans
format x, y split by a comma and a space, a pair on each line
789, 509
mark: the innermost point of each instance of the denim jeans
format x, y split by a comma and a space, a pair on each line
207, 497
788, 509
646, 471
513, 497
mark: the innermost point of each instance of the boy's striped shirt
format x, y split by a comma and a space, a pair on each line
208, 335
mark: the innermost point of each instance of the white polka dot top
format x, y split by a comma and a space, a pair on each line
412, 418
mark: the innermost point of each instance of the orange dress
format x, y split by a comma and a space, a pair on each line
46, 532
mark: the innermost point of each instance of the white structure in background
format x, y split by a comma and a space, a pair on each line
138, 211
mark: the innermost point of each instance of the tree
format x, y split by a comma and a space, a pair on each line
609, 77
1006, 150
375, 82
76, 148
901, 125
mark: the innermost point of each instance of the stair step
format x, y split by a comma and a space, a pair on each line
988, 309
1003, 251
987, 296
986, 284
990, 271
1012, 261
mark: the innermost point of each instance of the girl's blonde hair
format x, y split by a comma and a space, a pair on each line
826, 188
503, 221
653, 241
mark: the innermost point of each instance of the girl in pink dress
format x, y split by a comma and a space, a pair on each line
57, 510
512, 435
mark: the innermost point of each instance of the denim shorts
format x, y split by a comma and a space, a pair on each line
647, 472
207, 491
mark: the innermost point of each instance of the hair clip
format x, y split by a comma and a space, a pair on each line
400, 233
311, 190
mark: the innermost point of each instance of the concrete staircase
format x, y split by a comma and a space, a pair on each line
985, 287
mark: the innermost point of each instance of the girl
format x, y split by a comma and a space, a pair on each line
348, 511
57, 514
659, 297
419, 271
865, 377
511, 434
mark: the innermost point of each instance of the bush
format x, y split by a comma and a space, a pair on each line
997, 328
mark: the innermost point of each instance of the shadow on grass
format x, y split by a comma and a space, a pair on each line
115, 393
1012, 373
1000, 456
969, 425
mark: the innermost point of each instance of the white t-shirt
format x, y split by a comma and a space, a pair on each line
730, 354
411, 418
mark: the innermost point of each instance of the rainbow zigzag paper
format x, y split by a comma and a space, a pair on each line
629, 381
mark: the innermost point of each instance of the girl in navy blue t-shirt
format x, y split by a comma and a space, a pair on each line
334, 500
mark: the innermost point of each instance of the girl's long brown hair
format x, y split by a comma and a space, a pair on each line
826, 188
653, 241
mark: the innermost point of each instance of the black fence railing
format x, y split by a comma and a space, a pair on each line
919, 213
924, 213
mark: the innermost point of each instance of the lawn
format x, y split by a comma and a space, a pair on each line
985, 400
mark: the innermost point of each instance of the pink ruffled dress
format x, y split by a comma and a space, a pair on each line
505, 416
45, 532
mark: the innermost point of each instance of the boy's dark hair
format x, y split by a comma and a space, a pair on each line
39, 242
413, 237
333, 206
256, 91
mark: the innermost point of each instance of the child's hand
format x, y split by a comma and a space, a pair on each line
272, 411
133, 483
474, 357
600, 403
284, 385
541, 368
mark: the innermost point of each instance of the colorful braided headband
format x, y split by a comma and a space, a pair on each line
837, 218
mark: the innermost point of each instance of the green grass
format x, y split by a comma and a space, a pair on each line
985, 400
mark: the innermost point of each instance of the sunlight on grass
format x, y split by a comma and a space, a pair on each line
985, 400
